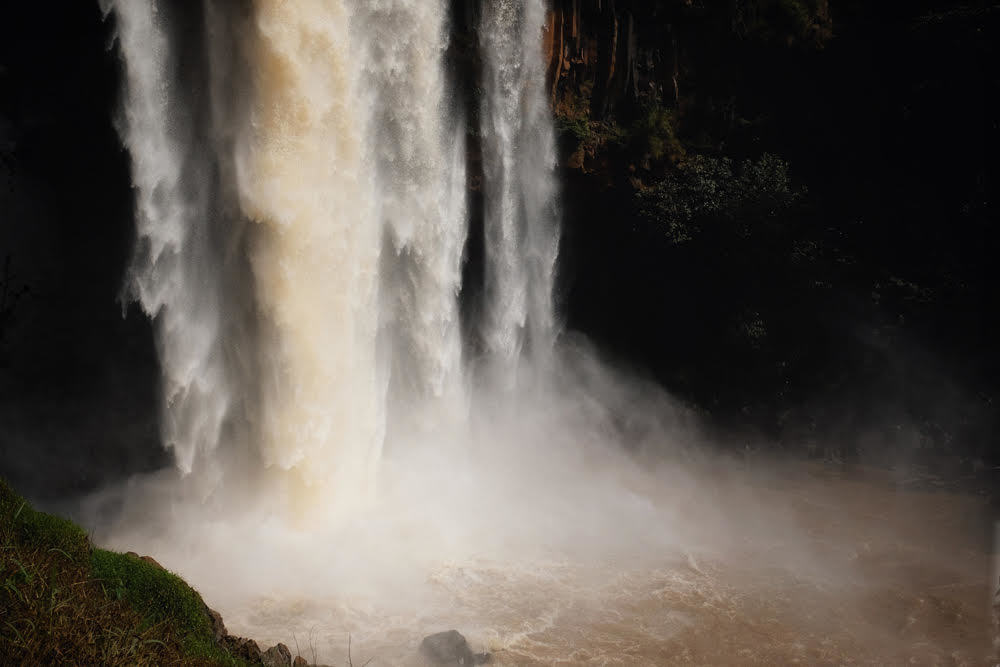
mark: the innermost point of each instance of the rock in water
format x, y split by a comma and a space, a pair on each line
277, 656
450, 648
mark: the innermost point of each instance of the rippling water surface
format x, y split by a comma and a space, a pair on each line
818, 567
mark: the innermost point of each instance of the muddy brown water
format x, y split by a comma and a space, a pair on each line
821, 567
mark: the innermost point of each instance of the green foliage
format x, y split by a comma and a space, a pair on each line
654, 133
63, 603
36, 529
24, 525
703, 190
572, 118
160, 597
50, 610
578, 127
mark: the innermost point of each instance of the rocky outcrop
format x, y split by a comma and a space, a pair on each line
450, 648
277, 656
242, 648
614, 52
594, 43
148, 559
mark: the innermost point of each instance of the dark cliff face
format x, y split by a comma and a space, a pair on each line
77, 379
865, 307
673, 50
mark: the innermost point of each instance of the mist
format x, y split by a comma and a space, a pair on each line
367, 446
585, 520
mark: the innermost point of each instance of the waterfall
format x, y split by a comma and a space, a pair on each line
301, 212
418, 148
174, 273
305, 180
521, 222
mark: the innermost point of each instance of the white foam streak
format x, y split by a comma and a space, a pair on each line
172, 273
419, 155
521, 223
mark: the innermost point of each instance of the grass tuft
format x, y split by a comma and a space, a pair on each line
161, 597
62, 602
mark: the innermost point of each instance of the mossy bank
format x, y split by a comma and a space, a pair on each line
63, 601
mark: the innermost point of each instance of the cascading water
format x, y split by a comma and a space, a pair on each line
418, 150
346, 155
521, 223
305, 179
174, 274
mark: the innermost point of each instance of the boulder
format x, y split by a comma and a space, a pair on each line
218, 627
245, 649
450, 648
277, 656
300, 662
149, 559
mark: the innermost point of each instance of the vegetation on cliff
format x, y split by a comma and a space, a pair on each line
64, 601
705, 194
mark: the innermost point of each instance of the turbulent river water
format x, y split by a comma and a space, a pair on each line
355, 462
598, 559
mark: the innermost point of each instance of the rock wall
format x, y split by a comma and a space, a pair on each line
615, 51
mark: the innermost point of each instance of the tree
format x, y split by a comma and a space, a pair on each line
705, 194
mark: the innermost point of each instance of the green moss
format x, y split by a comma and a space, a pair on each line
62, 601
32, 528
160, 597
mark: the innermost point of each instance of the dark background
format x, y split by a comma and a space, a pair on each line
78, 403
856, 323
876, 344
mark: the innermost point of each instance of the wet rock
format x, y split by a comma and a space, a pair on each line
218, 627
239, 647
277, 656
148, 559
300, 662
450, 648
